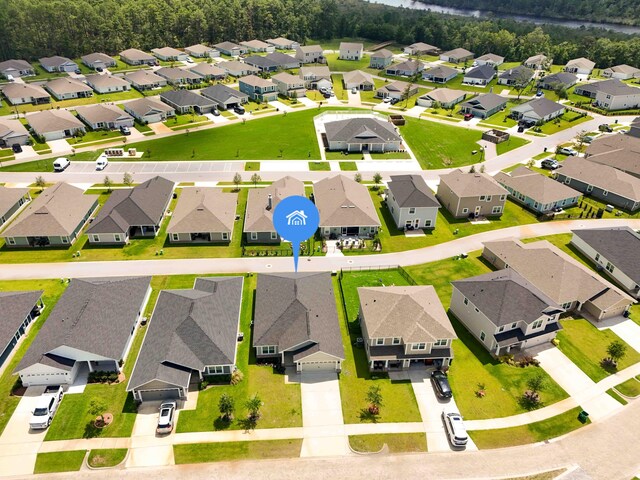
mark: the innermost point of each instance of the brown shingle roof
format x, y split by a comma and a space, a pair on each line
344, 202
204, 210
258, 218
539, 188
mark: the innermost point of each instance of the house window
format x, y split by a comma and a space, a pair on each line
503, 197
605, 193
427, 223
396, 341
254, 235
412, 211
566, 306
514, 325
419, 346
65, 239
482, 336
379, 341
96, 238
567, 180
465, 210
116, 237
274, 235
441, 342
536, 324
215, 370
589, 188
225, 235
11, 241
496, 210
536, 204
610, 268
175, 237
597, 257
483, 198
501, 329
488, 198
466, 301
269, 350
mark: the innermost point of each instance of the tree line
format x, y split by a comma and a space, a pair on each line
31, 29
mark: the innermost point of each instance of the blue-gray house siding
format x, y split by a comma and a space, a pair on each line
599, 193
536, 206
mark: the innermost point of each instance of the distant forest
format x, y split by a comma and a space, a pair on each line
625, 12
32, 29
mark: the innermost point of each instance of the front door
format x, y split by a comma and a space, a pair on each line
478, 209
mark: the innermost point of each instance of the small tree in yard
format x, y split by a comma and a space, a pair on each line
255, 178
535, 385
107, 183
616, 351
97, 409
357, 177
40, 183
377, 178
374, 397
227, 406
127, 179
253, 405
237, 180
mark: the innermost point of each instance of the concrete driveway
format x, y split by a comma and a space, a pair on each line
148, 448
59, 146
322, 419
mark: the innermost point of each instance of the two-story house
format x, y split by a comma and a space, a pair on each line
411, 202
471, 194
290, 86
350, 51
309, 53
258, 89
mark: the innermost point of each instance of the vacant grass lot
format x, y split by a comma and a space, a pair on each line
395, 442
337, 65
567, 120
54, 462
106, 457
229, 451
399, 403
511, 144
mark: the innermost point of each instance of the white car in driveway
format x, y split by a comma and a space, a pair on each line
166, 418
455, 428
46, 407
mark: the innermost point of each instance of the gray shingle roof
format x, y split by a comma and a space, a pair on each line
102, 113
15, 306
384, 53
412, 191
9, 197
282, 59
143, 77
257, 217
351, 46
482, 72
222, 93
143, 204
517, 73
343, 202
440, 71
24, 90
105, 81
98, 57
560, 78
486, 101
602, 176
294, 308
361, 130
185, 98
190, 329
471, 184
208, 69
203, 210
173, 73
15, 64
536, 186
540, 106
458, 53
137, 55
55, 61
48, 121
618, 151
145, 106
261, 61
94, 315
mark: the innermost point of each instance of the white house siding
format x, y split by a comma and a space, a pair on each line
618, 102
474, 321
59, 134
39, 374
157, 389
319, 361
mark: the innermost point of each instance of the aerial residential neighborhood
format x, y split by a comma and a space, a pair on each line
456, 293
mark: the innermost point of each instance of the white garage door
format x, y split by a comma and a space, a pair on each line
318, 366
154, 395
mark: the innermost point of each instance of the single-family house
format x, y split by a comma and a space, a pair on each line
12, 132
91, 328
209, 71
290, 86
566, 281
21, 93
192, 335
203, 215
104, 116
490, 59
618, 151
11, 201
284, 61
202, 51
186, 101
458, 55
133, 56
169, 54
231, 49
55, 124
179, 76
404, 327
358, 79
505, 312
225, 97
282, 43
98, 60
261, 202
238, 69
408, 68
262, 63
58, 64
19, 309
480, 75
411, 202
16, 68
345, 208
258, 89
439, 74
54, 218
258, 46
538, 110
107, 83
295, 322
470, 194
538, 62
445, 97
65, 88
483, 106
591, 89
617, 96
145, 80
519, 75
536, 191
397, 90
620, 72
132, 212
381, 59
310, 53
607, 184
149, 110
615, 252
316, 78
362, 134
558, 80
579, 66
350, 51
421, 48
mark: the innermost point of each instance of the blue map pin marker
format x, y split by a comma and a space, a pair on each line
296, 219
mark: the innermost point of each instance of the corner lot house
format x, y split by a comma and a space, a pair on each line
404, 326
558, 80
289, 86
202, 51
620, 72
309, 53
145, 80
258, 46
225, 97
345, 208
296, 322
350, 51
358, 79
607, 184
538, 110
148, 110
420, 48
104, 117
505, 312
615, 252
381, 59
480, 75
618, 96
537, 62
411, 202
169, 54
192, 335
580, 66
179, 76
519, 75
11, 200
316, 77
490, 59
483, 106
90, 329
12, 132
446, 97
362, 134
55, 124
618, 151
107, 83
132, 212
54, 218
184, 101
566, 281
458, 55
133, 56
68, 88
238, 69
203, 215
98, 60
16, 68
231, 49
21, 93
440, 74
19, 309
471, 194
58, 64
407, 68
396, 90
536, 191
209, 71
258, 220
282, 43
258, 89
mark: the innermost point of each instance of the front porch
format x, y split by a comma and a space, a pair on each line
143, 231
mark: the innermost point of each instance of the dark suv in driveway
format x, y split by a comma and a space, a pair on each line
441, 384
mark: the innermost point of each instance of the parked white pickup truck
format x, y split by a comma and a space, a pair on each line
46, 408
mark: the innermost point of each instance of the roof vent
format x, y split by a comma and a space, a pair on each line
269, 202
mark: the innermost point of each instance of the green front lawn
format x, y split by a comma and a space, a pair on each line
106, 457
186, 119
532, 433
399, 403
95, 136
230, 451
616, 396
337, 65
511, 144
348, 166
251, 166
567, 120
319, 166
630, 388
54, 462
395, 442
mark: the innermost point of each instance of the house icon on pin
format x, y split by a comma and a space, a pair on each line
297, 217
